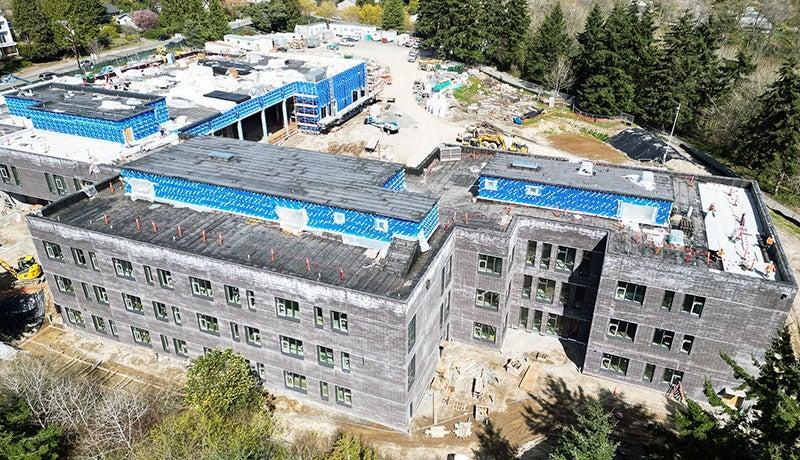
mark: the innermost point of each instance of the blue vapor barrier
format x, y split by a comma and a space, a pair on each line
569, 199
311, 97
142, 125
397, 182
261, 206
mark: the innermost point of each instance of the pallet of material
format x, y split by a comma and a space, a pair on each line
529, 379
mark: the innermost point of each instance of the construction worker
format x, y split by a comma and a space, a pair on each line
770, 241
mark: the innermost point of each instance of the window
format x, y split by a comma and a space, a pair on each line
649, 372
253, 336
672, 376
411, 332
686, 344
530, 253
615, 363
201, 288
295, 381
251, 299
663, 338
382, 225
140, 335
585, 266
53, 250
148, 275
523, 317
533, 190
325, 355
487, 299
412, 372
262, 371
176, 315
693, 305
447, 273
80, 183
345, 362
490, 264
292, 346
180, 347
56, 184
208, 323
338, 218
164, 278
15, 175
64, 284
666, 302
344, 396
319, 320
490, 184
75, 317
563, 296
565, 259
235, 331
624, 329
232, 296
323, 390
339, 321
630, 292
545, 290
113, 326
527, 286
93, 261
99, 324
5, 172
79, 257
544, 261
160, 310
484, 332
537, 320
287, 308
447, 306
123, 268
132, 303
86, 293
164, 342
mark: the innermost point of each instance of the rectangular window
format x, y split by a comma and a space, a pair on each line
140, 335
53, 251
292, 346
663, 338
132, 303
533, 190
5, 173
201, 288
490, 264
585, 267
624, 329
319, 320
262, 371
164, 342
666, 302
344, 396
630, 292
75, 317
530, 254
160, 310
545, 290
345, 362
523, 317
672, 376
15, 175
180, 347
235, 331
93, 261
112, 325
527, 286
565, 259
487, 299
324, 392
537, 320
412, 372
411, 332
287, 308
123, 268
338, 218
579, 298
56, 184
490, 184
339, 321
484, 332
687, 343
563, 296
544, 261
79, 257
251, 299
208, 323
232, 296
64, 284
176, 315
99, 324
447, 273
148, 275
86, 293
382, 225
253, 335
49, 181
164, 278
693, 305
447, 306
649, 372
615, 363
325, 355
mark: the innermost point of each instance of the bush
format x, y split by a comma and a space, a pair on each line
145, 19
154, 34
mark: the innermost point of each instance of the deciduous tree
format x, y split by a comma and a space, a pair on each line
221, 382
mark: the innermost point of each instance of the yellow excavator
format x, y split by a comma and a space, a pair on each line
27, 271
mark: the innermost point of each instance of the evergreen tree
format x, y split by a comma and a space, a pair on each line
171, 17
85, 17
393, 14
20, 438
507, 24
454, 28
294, 14
590, 42
589, 438
549, 42
349, 447
216, 21
34, 30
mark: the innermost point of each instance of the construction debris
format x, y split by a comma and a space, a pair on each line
463, 430
438, 431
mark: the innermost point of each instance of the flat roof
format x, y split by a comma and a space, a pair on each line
322, 178
606, 178
87, 101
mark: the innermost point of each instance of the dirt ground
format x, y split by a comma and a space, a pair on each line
587, 147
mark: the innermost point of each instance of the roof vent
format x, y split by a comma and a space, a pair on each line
526, 165
647, 180
224, 156
586, 169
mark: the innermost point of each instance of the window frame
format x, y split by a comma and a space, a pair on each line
79, 257
479, 330
201, 288
618, 325
252, 336
490, 265
130, 305
487, 300
202, 318
119, 267
343, 324
53, 251
285, 304
233, 296
565, 264
666, 338
690, 303
292, 347
621, 367
639, 291
143, 334
346, 398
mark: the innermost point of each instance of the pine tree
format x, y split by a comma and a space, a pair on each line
171, 17
549, 42
20, 438
454, 28
393, 14
507, 24
590, 42
216, 21
294, 14
85, 17
588, 438
34, 30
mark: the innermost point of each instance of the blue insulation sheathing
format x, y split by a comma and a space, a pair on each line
261, 206
569, 199
397, 182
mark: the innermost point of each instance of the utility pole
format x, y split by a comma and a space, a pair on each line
73, 41
671, 132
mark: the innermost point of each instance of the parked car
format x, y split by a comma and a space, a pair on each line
47, 75
412, 56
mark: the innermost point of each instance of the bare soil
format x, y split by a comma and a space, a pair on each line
587, 147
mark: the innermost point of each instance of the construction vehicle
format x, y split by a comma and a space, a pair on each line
518, 147
486, 136
27, 271
389, 127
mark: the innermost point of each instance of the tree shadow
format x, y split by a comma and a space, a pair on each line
556, 406
493, 445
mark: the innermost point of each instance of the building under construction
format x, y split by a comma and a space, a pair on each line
339, 278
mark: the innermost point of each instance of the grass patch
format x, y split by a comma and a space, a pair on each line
784, 223
595, 134
470, 92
